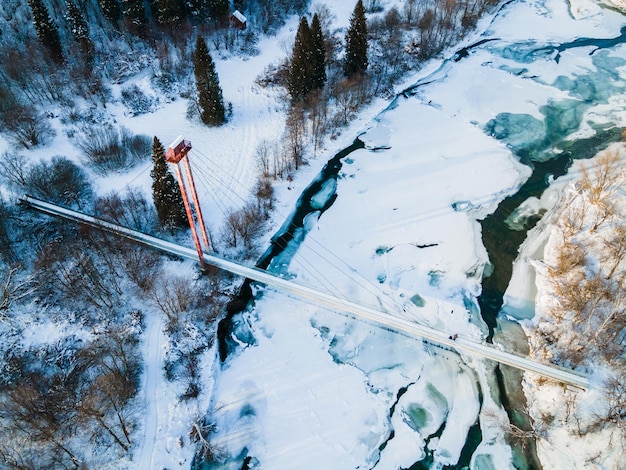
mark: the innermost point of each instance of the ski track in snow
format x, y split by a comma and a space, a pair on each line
154, 339
247, 142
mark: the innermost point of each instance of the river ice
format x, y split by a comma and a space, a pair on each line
314, 389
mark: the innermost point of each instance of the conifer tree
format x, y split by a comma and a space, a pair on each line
318, 53
356, 43
47, 31
80, 29
111, 10
210, 101
301, 68
168, 199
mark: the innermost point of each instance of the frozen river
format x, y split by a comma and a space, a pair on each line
303, 387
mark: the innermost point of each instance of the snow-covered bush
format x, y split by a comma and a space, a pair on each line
26, 127
581, 310
108, 149
6, 236
136, 101
241, 229
129, 209
167, 85
58, 180
190, 316
65, 404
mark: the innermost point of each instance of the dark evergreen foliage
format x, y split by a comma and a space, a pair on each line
210, 101
301, 67
168, 199
197, 10
47, 31
356, 43
318, 53
111, 9
134, 12
307, 69
80, 29
168, 12
219, 9
6, 252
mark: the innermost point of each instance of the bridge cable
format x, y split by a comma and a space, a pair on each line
362, 281
306, 265
303, 259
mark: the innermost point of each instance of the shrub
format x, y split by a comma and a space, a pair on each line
60, 181
27, 127
130, 210
136, 100
242, 227
108, 149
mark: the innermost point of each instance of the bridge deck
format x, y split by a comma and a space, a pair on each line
326, 300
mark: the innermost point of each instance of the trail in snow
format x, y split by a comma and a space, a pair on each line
152, 378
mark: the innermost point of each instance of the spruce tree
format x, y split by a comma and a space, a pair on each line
318, 53
168, 199
210, 101
301, 68
356, 43
80, 29
111, 10
47, 31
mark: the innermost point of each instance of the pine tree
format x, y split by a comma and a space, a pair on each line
212, 111
166, 193
47, 31
80, 29
356, 43
300, 81
318, 53
111, 10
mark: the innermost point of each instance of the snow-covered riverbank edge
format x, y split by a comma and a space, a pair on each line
559, 413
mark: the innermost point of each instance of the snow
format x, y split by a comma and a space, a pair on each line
394, 199
402, 235
563, 446
237, 14
315, 389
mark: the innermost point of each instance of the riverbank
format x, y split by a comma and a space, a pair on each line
567, 422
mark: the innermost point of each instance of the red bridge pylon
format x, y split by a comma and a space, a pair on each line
176, 154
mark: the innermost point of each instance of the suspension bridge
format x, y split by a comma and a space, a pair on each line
354, 310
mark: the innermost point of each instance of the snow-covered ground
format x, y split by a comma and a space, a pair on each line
314, 389
561, 446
